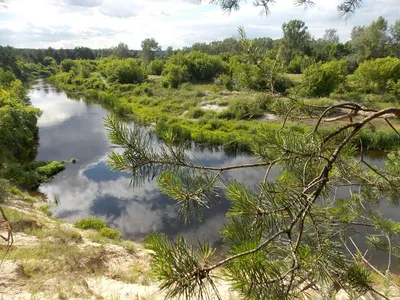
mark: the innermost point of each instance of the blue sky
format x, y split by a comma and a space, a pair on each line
177, 23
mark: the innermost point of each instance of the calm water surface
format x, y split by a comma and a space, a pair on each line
74, 129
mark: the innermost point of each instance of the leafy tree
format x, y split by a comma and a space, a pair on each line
296, 39
375, 74
175, 75
203, 67
371, 41
149, 45
67, 65
121, 51
331, 36
283, 238
129, 71
169, 51
156, 67
83, 53
321, 79
298, 64
256, 71
395, 37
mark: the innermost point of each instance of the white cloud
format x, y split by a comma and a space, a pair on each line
104, 23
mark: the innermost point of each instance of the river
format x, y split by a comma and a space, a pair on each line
70, 128
74, 129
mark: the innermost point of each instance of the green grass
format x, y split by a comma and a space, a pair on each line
15, 191
21, 221
178, 111
59, 233
46, 209
112, 234
90, 223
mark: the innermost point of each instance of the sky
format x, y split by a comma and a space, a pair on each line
176, 23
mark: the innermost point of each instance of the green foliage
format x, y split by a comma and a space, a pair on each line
46, 210
296, 39
149, 46
67, 65
176, 265
371, 42
90, 223
128, 71
394, 87
195, 113
376, 75
30, 175
113, 234
175, 75
247, 109
321, 79
156, 67
203, 67
298, 64
121, 51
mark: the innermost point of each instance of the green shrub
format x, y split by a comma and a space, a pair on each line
375, 75
394, 87
174, 75
298, 64
15, 191
204, 67
50, 169
46, 209
321, 79
67, 65
113, 234
90, 223
156, 67
247, 109
30, 175
195, 113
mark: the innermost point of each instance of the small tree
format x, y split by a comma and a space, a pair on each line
321, 79
285, 237
156, 67
149, 45
374, 75
121, 51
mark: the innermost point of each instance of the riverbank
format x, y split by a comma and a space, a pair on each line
51, 259
211, 115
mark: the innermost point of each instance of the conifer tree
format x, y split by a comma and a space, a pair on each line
287, 238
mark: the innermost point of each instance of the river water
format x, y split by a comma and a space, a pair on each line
74, 129
70, 128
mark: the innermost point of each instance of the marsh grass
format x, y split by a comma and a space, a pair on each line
179, 111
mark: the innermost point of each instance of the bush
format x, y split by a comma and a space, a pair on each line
195, 113
204, 67
321, 79
30, 175
247, 109
67, 65
175, 75
298, 64
394, 87
375, 75
90, 223
155, 67
113, 234
50, 169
